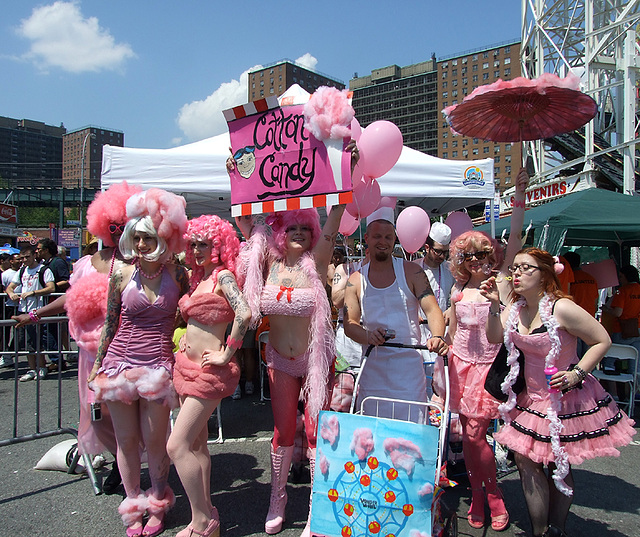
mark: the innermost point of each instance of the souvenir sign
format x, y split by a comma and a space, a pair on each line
373, 477
281, 165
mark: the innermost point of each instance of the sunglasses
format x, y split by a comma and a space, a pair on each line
523, 267
441, 253
113, 228
468, 256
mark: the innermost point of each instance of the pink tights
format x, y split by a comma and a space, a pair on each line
285, 392
481, 466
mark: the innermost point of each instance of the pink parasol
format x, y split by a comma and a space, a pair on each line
522, 109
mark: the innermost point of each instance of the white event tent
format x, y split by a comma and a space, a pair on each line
197, 171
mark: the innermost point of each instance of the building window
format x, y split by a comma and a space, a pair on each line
445, 155
465, 142
507, 71
475, 150
507, 50
485, 76
445, 65
454, 93
475, 67
507, 170
454, 62
444, 74
444, 85
496, 53
496, 169
445, 134
485, 54
474, 78
454, 154
496, 74
507, 147
507, 158
496, 159
445, 104
464, 61
271, 91
261, 93
485, 149
445, 94
475, 58
496, 63
454, 72
485, 65
496, 149
463, 71
445, 145
454, 143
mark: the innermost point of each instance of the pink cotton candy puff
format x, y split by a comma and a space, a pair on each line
167, 212
457, 296
328, 114
362, 443
109, 207
323, 463
418, 533
403, 453
425, 489
330, 429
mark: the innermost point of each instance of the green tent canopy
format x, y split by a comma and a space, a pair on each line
592, 217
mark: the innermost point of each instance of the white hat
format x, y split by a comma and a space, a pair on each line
382, 213
440, 233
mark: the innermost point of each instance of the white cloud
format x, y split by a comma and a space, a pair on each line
62, 37
201, 119
307, 60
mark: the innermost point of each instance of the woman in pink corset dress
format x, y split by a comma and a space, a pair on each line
474, 256
563, 416
205, 369
134, 363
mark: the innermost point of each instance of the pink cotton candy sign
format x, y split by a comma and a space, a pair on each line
280, 164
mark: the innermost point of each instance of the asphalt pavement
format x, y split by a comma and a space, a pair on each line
57, 504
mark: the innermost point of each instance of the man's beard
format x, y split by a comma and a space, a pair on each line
381, 256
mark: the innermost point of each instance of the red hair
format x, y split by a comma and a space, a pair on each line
474, 241
546, 263
109, 207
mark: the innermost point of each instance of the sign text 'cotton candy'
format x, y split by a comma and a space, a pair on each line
280, 165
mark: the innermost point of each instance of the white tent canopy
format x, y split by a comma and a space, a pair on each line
197, 171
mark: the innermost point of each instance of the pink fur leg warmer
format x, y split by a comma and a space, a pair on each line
158, 506
131, 509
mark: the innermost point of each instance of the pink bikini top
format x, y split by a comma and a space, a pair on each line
293, 301
206, 308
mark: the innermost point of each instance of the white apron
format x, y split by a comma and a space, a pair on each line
391, 372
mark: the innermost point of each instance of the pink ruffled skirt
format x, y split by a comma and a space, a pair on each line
135, 383
467, 394
593, 425
210, 382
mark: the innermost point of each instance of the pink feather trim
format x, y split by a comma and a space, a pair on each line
132, 508
328, 114
86, 307
158, 506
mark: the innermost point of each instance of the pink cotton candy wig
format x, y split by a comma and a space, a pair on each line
473, 241
281, 221
109, 207
224, 240
167, 213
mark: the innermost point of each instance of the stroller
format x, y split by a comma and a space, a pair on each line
380, 476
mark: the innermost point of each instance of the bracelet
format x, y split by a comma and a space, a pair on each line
440, 337
34, 316
235, 344
494, 313
582, 374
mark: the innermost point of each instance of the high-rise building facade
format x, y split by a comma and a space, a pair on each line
406, 96
414, 96
30, 154
458, 76
276, 78
91, 139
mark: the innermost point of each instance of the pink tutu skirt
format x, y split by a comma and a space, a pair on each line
210, 382
466, 387
134, 383
593, 425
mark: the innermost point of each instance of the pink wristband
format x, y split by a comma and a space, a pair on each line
34, 316
234, 343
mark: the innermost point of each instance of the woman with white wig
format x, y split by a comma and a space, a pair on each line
134, 363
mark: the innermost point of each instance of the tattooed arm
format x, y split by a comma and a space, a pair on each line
229, 287
338, 286
114, 306
419, 284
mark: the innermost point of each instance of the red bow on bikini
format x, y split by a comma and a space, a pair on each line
282, 290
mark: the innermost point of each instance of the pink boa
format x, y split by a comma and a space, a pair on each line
87, 309
135, 383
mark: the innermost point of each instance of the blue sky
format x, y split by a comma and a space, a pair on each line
161, 71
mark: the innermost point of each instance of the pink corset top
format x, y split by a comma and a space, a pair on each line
206, 308
470, 340
281, 300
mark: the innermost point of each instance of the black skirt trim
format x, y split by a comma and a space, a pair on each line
602, 403
583, 435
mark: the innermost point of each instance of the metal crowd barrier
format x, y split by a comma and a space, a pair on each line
17, 350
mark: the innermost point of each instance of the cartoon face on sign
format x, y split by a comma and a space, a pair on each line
245, 160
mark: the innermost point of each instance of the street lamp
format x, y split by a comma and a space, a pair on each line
84, 147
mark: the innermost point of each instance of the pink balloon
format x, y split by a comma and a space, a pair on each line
358, 177
380, 146
459, 222
366, 198
356, 129
412, 228
388, 201
348, 224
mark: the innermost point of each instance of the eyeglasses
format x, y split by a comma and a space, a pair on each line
441, 253
522, 267
113, 228
468, 256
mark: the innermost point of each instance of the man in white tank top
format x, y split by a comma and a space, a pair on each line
386, 294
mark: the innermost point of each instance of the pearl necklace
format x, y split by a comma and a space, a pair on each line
149, 276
